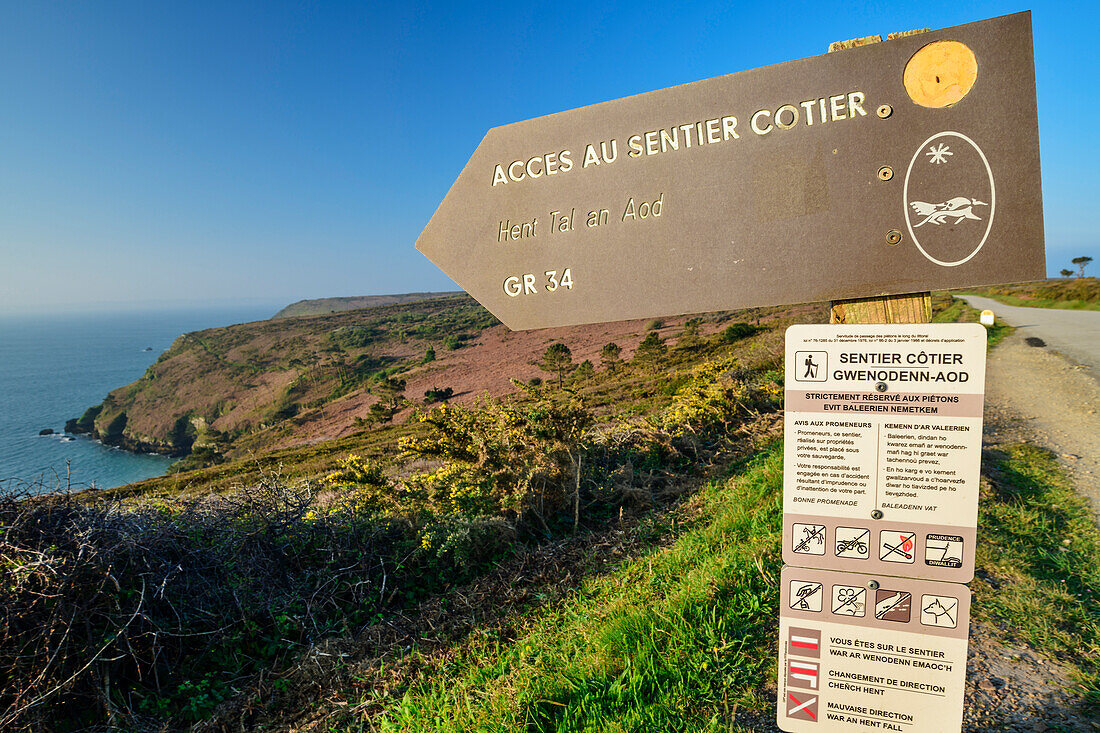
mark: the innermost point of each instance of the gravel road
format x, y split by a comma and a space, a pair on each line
1074, 334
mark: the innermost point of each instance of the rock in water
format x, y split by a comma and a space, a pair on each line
46, 431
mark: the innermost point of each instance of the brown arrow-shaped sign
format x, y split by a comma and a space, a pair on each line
890, 168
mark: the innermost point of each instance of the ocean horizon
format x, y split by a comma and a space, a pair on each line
55, 365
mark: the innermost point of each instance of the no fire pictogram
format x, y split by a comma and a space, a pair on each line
895, 546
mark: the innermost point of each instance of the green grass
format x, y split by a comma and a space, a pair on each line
1039, 560
676, 639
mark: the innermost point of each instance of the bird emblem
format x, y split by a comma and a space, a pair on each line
958, 208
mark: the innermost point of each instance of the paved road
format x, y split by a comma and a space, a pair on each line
1075, 334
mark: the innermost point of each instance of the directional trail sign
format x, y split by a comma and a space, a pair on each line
882, 447
890, 168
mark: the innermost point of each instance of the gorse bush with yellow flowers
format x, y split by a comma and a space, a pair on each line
717, 396
512, 459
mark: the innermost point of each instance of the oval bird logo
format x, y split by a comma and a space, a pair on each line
950, 198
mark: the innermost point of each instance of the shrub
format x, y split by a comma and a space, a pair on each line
737, 331
154, 610
201, 457
689, 338
354, 337
459, 488
435, 394
283, 409
524, 455
457, 545
380, 413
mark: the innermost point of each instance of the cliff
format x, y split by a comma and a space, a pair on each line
327, 306
253, 383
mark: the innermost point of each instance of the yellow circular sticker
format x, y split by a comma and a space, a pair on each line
940, 74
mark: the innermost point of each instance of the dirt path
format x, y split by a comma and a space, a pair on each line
1036, 396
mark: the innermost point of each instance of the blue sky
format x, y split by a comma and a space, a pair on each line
172, 153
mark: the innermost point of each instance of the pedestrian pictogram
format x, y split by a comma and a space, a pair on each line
809, 539
813, 366
801, 673
943, 550
849, 600
940, 611
893, 605
895, 546
805, 595
801, 706
804, 642
853, 542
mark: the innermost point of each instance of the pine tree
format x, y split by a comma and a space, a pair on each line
651, 350
558, 359
1081, 262
689, 338
611, 356
585, 371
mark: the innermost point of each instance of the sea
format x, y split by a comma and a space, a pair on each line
55, 366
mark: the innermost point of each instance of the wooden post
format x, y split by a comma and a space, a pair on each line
906, 308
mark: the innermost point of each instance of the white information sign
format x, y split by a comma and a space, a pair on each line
883, 434
861, 652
